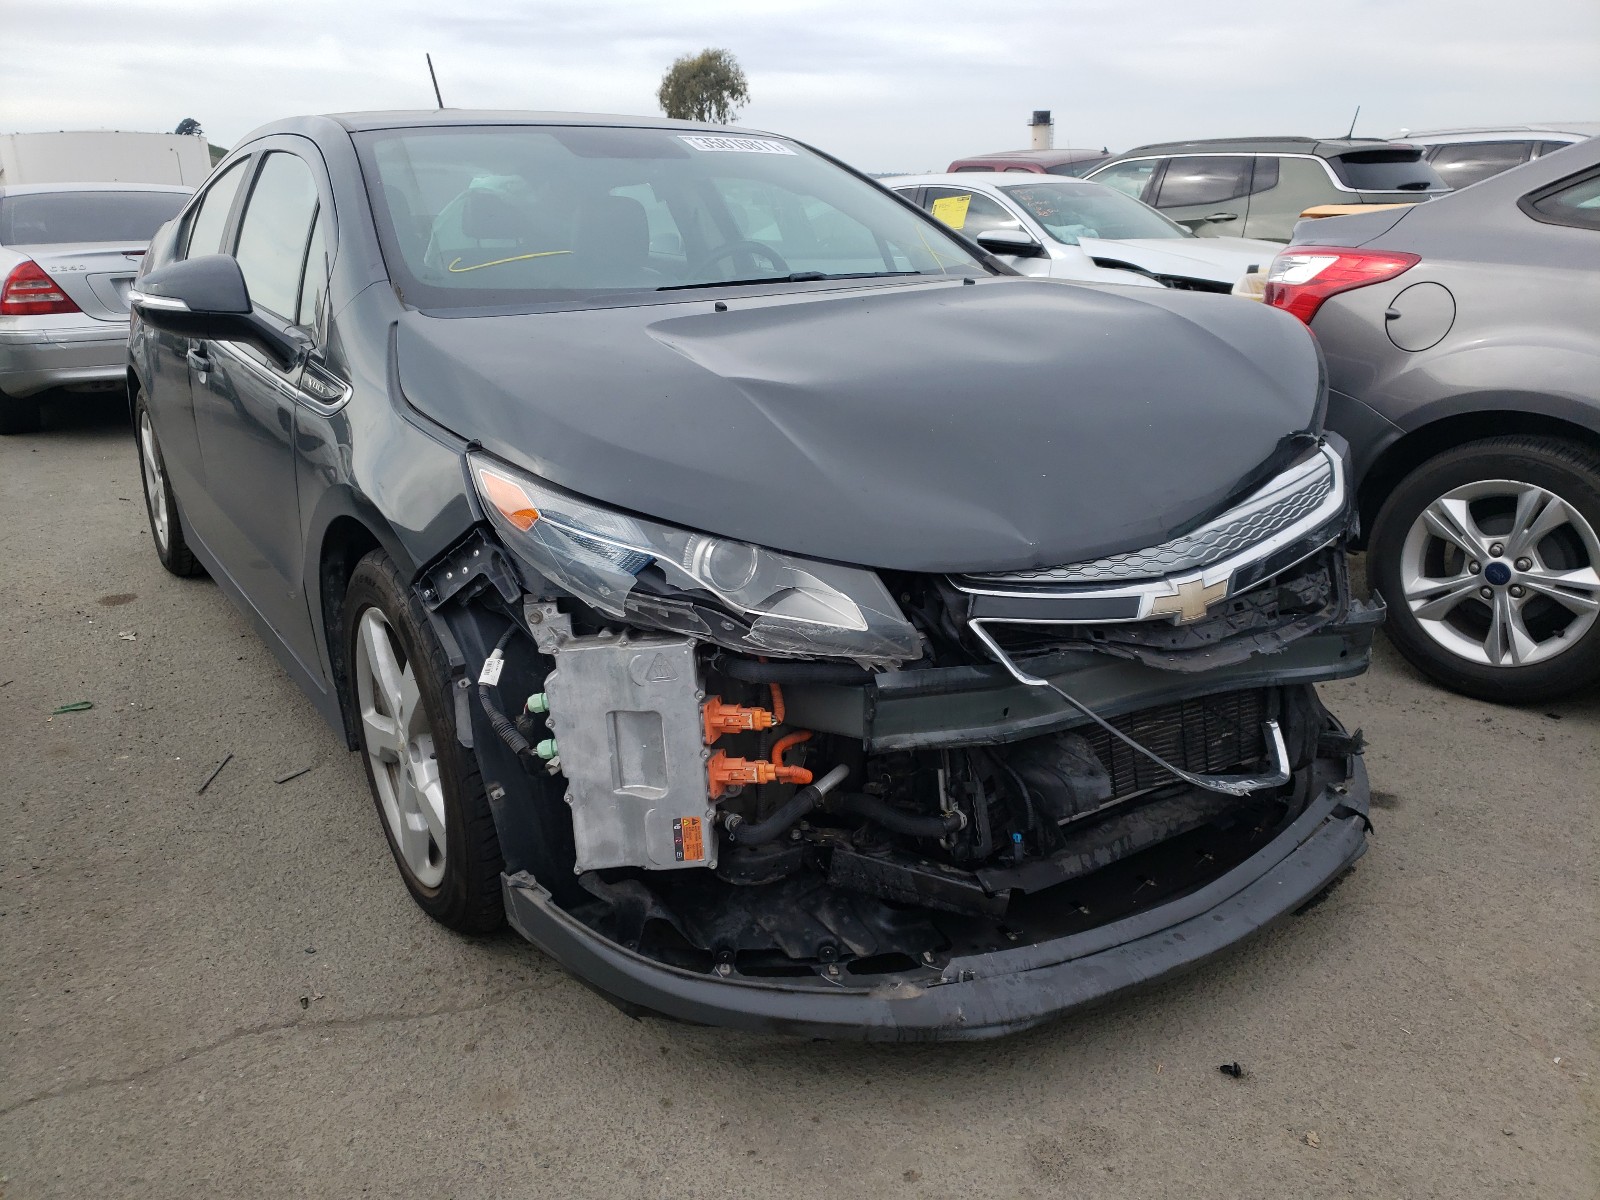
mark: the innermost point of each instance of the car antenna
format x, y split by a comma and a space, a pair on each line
435, 79
1347, 136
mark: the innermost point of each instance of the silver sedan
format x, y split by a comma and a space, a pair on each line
68, 253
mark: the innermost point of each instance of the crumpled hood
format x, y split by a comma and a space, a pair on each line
1001, 425
1222, 260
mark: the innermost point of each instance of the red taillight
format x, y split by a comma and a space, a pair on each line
1302, 277
29, 292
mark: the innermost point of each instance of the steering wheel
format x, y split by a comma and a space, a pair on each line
745, 246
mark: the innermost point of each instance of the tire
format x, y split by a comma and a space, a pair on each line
19, 415
160, 506
1534, 642
419, 774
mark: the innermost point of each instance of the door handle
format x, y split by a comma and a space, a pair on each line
199, 360
1222, 217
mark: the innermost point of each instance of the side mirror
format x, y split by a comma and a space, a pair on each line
206, 297
1009, 241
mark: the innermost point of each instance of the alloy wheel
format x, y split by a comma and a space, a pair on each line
399, 743
155, 482
1501, 572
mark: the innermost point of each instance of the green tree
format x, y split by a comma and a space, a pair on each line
709, 86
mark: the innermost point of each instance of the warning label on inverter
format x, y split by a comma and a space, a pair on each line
687, 842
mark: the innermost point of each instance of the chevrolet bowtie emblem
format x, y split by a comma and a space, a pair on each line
1190, 601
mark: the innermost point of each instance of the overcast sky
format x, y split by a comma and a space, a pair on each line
885, 84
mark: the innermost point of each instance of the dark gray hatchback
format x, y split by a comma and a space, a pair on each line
784, 614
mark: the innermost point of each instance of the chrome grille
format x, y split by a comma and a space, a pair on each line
1277, 507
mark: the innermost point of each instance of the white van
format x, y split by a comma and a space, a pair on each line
103, 156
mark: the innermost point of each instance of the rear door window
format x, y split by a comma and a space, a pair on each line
1204, 179
1469, 162
274, 233
1130, 178
1265, 176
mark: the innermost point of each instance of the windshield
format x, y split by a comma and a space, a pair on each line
53, 218
1069, 211
543, 216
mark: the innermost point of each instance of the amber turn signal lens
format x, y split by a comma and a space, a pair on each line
514, 504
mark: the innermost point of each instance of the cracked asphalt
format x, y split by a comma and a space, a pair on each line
230, 993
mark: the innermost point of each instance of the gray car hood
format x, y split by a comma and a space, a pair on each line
923, 426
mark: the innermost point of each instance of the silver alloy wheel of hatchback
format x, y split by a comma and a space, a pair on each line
399, 743
1502, 573
155, 483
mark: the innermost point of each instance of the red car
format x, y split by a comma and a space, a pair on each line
1040, 162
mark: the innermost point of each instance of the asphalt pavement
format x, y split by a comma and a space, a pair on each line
229, 992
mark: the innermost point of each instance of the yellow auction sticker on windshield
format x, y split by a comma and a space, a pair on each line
952, 210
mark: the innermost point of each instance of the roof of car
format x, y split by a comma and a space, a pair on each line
326, 124
969, 179
1322, 147
26, 189
1572, 128
405, 119
1059, 155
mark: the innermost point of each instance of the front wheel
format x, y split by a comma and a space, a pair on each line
1489, 558
160, 506
427, 788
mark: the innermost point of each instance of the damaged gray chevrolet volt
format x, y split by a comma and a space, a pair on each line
781, 612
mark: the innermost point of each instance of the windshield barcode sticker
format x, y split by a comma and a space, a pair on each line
736, 145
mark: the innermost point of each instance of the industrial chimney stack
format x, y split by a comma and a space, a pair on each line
1043, 129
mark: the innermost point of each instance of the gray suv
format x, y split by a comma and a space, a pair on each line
1462, 340
1258, 187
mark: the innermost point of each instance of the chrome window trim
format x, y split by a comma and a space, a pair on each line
1333, 179
233, 354
1148, 592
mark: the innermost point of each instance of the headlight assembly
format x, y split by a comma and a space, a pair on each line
738, 595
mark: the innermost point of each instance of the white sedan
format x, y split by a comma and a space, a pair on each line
1066, 228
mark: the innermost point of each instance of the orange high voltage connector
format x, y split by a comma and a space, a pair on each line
723, 772
723, 718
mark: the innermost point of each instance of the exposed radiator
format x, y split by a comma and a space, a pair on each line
1210, 735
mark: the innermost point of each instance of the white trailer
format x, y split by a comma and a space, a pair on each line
103, 156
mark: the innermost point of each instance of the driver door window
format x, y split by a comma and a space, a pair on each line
211, 218
274, 233
970, 213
